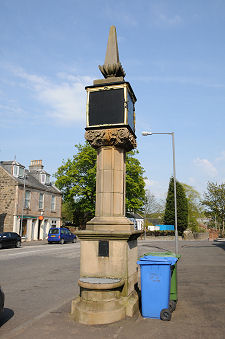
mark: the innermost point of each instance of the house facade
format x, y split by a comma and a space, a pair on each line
137, 219
29, 203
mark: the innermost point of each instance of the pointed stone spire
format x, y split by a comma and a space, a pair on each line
112, 66
112, 53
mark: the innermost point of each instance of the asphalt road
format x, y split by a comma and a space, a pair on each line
36, 279
40, 282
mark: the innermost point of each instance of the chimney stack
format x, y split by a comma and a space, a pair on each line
35, 165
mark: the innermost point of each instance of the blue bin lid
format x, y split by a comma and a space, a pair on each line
151, 260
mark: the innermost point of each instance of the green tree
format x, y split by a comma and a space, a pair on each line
153, 208
76, 178
195, 210
68, 211
182, 207
135, 184
214, 203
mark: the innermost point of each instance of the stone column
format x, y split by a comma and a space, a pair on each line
110, 182
111, 145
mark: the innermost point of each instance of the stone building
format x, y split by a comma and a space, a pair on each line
29, 203
137, 219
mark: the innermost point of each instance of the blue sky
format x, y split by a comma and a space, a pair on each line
173, 53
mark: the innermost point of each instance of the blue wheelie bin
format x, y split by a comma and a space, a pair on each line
155, 286
173, 284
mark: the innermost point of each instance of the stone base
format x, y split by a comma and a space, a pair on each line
109, 224
108, 279
106, 311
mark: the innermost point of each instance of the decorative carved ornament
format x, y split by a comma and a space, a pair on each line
112, 70
119, 137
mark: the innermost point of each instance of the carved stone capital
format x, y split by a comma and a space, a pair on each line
119, 137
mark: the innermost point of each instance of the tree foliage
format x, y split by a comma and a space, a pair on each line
135, 184
182, 207
76, 178
153, 208
214, 203
195, 210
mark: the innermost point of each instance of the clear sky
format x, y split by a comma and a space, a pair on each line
173, 52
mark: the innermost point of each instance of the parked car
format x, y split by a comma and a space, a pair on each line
60, 235
2, 300
10, 239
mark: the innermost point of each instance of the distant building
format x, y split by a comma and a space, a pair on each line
29, 203
137, 219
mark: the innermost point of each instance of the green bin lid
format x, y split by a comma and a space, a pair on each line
164, 254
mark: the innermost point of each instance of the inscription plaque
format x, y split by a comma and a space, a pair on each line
103, 248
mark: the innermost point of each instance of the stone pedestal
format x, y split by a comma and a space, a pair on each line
108, 246
101, 302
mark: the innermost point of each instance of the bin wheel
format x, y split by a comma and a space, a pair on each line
172, 305
165, 314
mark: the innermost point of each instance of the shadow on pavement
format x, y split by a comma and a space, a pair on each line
196, 246
214, 243
220, 244
159, 248
6, 315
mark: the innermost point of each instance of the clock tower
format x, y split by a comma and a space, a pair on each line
108, 268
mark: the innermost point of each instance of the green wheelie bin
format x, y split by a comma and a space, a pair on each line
173, 284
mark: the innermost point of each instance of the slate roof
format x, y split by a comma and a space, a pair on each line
31, 181
134, 215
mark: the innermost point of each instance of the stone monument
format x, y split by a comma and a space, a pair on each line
108, 246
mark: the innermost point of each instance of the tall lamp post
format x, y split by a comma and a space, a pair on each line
23, 206
174, 176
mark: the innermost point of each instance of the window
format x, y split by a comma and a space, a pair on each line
18, 171
43, 178
27, 199
47, 179
21, 172
41, 201
53, 203
54, 231
15, 171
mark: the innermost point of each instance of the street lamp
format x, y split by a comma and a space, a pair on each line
174, 177
23, 206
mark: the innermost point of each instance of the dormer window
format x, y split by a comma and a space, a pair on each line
43, 178
18, 171
47, 179
15, 170
21, 172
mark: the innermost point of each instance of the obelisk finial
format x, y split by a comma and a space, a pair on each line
112, 66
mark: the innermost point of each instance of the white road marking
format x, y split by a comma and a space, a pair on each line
27, 252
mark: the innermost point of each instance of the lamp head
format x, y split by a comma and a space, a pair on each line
145, 133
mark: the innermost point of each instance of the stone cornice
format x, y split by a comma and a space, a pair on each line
105, 235
118, 137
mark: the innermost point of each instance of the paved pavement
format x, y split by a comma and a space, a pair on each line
199, 313
34, 243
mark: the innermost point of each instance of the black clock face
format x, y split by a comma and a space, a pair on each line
130, 112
